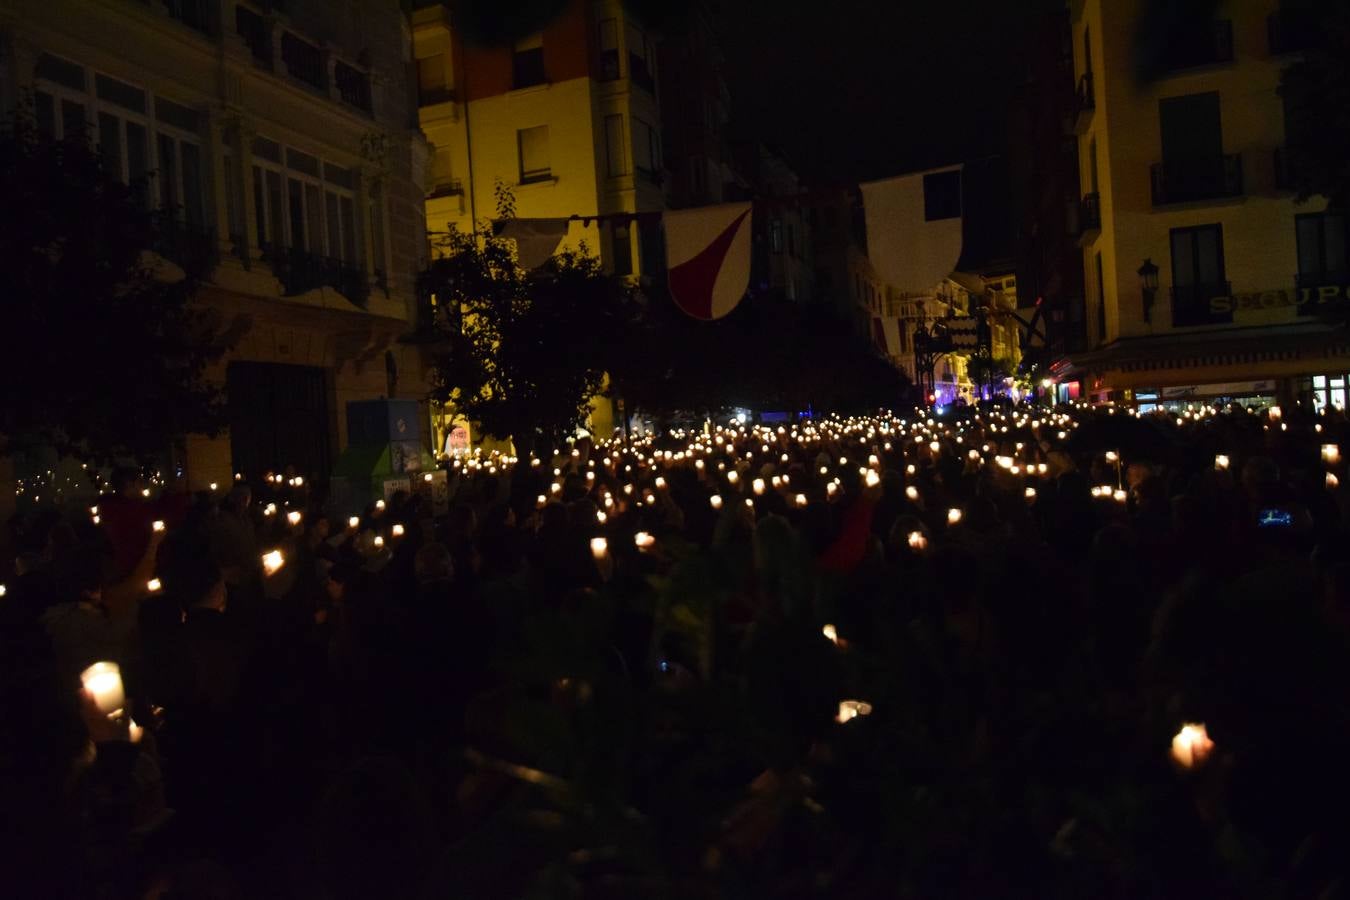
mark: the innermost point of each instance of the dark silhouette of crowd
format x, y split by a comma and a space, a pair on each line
918, 656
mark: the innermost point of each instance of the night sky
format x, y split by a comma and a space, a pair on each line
875, 88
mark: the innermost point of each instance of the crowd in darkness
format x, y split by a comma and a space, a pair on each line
920, 657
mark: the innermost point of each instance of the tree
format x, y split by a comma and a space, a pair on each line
1316, 92
526, 350
105, 355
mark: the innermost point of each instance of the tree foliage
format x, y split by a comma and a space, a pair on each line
104, 357
526, 350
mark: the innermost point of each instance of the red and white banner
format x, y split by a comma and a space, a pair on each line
708, 255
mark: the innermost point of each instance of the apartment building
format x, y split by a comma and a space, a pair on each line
1205, 279
279, 146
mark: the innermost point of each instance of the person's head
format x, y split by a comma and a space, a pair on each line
433, 563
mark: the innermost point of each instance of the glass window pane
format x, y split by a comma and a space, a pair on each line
534, 158
314, 219
334, 225
44, 110
138, 157
192, 183
296, 200
1207, 247
110, 144
119, 92
349, 244
167, 174
72, 120
276, 210
1183, 258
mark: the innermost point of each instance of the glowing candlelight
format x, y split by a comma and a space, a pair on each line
145, 492
831, 489
872, 479
1030, 493
757, 486
96, 520
541, 501
1120, 496
852, 709
660, 483
153, 585
1275, 414
396, 529
1112, 456
715, 501
555, 488
213, 486
1331, 454
1191, 746
599, 547
912, 492
917, 541
294, 517
379, 504
354, 522
428, 477
104, 681
954, 516
1332, 481
270, 509
644, 541
379, 541
800, 500
831, 634
272, 562
93, 510
733, 477
600, 516
157, 525
1221, 461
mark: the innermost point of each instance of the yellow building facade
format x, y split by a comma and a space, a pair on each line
567, 119
1182, 172
282, 154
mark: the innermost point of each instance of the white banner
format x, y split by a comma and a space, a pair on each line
914, 227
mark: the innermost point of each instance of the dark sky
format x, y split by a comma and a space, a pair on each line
857, 89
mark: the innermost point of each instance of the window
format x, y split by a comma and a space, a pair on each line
304, 61
646, 149
253, 29
1101, 301
179, 169
304, 205
432, 84
1197, 275
1194, 166
942, 196
609, 49
615, 153
527, 62
641, 60
623, 250
353, 86
1323, 249
534, 160
60, 98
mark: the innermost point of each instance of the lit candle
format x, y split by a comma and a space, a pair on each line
1112, 456
660, 483
599, 547
715, 501
213, 485
1331, 454
272, 562
104, 681
733, 477
1332, 481
379, 541
644, 541
93, 510
157, 525
917, 540
270, 509
600, 516
872, 479
541, 501
757, 486
145, 492
852, 709
800, 500
831, 634
379, 504
1191, 746
354, 522
954, 516
1275, 414
153, 585
1030, 493
428, 477
912, 492
294, 517
1120, 496
396, 529
1221, 461
831, 489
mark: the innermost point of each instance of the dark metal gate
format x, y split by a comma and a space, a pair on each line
278, 418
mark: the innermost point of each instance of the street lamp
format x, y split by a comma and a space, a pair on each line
1148, 283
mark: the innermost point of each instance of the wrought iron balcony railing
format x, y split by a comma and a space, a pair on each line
1198, 178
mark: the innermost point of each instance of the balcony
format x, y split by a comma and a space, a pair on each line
1289, 32
300, 271
304, 61
1089, 218
191, 247
1084, 104
195, 14
1199, 179
1191, 304
353, 86
252, 28
640, 74
609, 65
1207, 46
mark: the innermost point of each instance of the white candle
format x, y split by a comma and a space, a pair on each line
715, 501
104, 681
353, 522
831, 634
872, 479
800, 500
379, 541
396, 529
272, 561
599, 547
1191, 746
912, 492
852, 709
1030, 493
1220, 461
643, 540
379, 504
157, 525
757, 486
1331, 454
294, 517
917, 540
954, 516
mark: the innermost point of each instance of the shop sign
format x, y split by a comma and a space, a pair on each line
1319, 296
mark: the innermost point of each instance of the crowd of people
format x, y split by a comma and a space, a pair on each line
1012, 652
